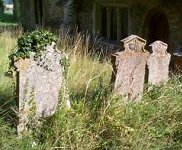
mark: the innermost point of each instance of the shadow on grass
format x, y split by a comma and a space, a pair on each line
8, 107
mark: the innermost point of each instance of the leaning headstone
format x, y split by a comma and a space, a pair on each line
158, 63
130, 68
40, 82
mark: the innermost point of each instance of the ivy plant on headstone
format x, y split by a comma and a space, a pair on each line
41, 75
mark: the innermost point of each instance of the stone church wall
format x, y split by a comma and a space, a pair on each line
86, 15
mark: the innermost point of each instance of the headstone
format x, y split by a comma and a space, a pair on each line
130, 68
158, 63
40, 82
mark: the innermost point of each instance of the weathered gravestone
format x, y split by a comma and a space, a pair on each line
40, 82
158, 63
130, 68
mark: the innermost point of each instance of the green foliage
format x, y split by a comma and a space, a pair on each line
30, 42
65, 63
33, 42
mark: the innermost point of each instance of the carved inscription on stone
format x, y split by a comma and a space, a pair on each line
130, 68
158, 63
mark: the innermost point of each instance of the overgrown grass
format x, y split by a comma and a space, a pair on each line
98, 120
7, 42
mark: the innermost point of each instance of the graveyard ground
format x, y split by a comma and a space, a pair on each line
98, 119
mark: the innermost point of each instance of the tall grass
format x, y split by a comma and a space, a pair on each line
98, 120
88, 68
7, 43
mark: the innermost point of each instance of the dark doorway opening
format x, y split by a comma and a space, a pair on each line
38, 5
156, 26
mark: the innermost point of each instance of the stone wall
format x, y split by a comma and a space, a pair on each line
174, 16
53, 13
16, 12
27, 14
87, 15
139, 13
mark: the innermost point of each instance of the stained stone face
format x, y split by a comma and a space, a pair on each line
130, 69
158, 63
40, 82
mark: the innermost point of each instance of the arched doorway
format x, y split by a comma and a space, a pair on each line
156, 26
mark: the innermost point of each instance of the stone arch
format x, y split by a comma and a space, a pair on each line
156, 26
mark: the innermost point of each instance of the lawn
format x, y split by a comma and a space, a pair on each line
7, 19
98, 119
